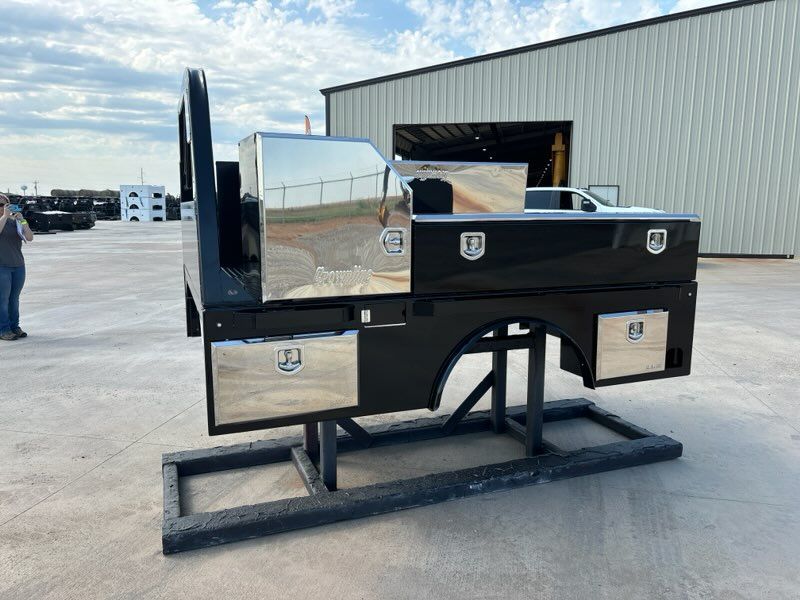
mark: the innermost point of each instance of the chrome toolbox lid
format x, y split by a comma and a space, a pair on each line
323, 217
465, 187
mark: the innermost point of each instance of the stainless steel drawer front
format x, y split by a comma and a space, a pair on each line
631, 343
268, 378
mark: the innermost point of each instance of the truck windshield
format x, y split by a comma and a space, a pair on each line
597, 198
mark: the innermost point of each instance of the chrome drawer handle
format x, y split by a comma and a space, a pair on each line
473, 244
393, 241
635, 330
656, 241
289, 360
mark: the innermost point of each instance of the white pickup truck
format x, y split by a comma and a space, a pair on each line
558, 199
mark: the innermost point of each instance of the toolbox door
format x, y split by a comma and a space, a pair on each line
276, 377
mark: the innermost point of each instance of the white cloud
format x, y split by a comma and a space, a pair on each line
492, 25
98, 71
682, 5
89, 89
331, 8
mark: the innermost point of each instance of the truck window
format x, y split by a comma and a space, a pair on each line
541, 200
570, 201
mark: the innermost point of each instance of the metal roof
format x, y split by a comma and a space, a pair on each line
557, 42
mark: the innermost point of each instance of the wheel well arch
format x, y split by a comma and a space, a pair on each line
476, 334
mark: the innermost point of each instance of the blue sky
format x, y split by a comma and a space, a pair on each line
89, 89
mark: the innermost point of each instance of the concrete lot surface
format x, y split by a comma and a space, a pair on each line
107, 382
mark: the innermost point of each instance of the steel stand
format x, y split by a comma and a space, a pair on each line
500, 370
314, 456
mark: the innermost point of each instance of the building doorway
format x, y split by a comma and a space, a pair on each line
544, 145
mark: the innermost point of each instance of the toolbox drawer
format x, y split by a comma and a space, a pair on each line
534, 251
273, 377
631, 343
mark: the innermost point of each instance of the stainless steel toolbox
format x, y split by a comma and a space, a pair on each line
466, 187
323, 217
631, 343
273, 377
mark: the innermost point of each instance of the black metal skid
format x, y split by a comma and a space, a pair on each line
314, 456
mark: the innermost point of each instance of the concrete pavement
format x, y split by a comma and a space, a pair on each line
107, 381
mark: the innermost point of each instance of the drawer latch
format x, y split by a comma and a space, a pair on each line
289, 359
393, 240
473, 244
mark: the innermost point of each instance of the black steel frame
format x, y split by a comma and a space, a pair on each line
314, 456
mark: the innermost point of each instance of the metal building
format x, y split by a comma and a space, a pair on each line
692, 112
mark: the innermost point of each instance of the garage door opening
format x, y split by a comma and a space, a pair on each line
544, 145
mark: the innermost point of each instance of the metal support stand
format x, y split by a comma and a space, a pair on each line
534, 416
500, 370
327, 454
314, 456
311, 441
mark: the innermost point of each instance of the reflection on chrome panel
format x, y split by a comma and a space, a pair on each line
453, 187
314, 212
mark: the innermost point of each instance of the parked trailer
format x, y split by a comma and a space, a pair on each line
82, 210
48, 214
48, 220
107, 209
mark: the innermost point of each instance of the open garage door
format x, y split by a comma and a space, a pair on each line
544, 145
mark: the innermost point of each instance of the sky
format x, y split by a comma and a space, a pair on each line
89, 89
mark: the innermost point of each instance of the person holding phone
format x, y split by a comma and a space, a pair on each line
13, 229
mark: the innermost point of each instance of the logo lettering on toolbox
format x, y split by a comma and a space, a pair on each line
427, 172
357, 276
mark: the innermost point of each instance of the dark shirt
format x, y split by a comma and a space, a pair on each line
11, 246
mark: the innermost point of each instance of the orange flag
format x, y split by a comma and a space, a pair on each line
308, 125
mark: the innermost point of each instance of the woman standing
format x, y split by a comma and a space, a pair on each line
13, 229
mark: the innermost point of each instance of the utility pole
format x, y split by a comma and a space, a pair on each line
36, 187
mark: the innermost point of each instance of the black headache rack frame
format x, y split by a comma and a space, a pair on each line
220, 306
315, 458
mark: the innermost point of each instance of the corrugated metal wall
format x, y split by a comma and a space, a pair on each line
700, 114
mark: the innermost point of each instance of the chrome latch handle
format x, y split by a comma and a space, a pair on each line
393, 241
635, 330
473, 244
656, 241
289, 359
